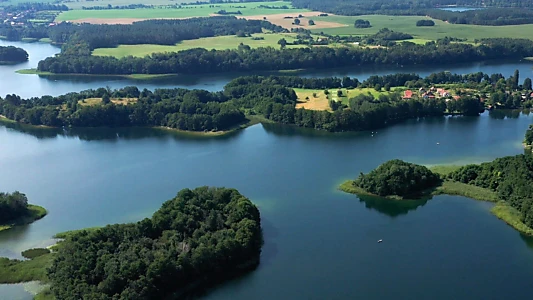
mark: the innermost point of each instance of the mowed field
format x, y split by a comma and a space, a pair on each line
407, 24
217, 43
321, 102
205, 10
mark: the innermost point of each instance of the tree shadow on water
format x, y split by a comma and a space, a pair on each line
391, 208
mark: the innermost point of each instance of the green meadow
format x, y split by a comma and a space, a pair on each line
407, 24
250, 9
218, 43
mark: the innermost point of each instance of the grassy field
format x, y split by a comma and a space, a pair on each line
511, 216
440, 30
96, 101
79, 4
320, 102
15, 271
251, 9
218, 43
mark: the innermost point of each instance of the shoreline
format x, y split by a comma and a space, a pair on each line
250, 121
501, 209
35, 213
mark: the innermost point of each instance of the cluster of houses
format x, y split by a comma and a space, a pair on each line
431, 93
13, 18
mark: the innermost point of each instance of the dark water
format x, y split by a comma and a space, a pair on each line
35, 86
319, 243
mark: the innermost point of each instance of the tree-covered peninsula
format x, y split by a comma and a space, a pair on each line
15, 210
12, 55
201, 237
396, 179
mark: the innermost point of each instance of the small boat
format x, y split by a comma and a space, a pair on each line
438, 143
379, 241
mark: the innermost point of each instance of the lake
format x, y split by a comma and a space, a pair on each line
319, 242
460, 8
34, 86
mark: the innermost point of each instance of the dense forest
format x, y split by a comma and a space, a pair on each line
201, 237
398, 178
509, 176
161, 32
12, 54
12, 206
271, 97
496, 12
202, 61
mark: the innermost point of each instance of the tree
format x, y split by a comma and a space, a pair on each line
339, 93
326, 92
387, 87
527, 84
516, 79
296, 21
311, 22
283, 43
106, 99
377, 87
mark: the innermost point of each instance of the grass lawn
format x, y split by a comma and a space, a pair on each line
217, 42
251, 9
441, 29
320, 102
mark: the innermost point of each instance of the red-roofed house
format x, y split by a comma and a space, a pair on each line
408, 94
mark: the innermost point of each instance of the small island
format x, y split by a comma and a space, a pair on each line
15, 210
395, 179
12, 55
504, 181
200, 238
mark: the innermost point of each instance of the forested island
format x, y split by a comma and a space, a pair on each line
75, 58
505, 181
15, 210
397, 179
374, 103
12, 55
201, 237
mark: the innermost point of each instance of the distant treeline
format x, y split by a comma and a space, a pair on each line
109, 6
271, 97
33, 7
161, 32
498, 12
11, 54
202, 61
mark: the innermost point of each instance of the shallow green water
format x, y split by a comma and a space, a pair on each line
319, 242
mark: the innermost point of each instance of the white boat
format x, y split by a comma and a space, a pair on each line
379, 241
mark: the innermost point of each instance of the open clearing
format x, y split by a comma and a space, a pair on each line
407, 24
320, 102
205, 10
281, 20
218, 43
96, 101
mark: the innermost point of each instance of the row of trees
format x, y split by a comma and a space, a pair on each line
202, 236
201, 61
12, 206
11, 54
509, 176
161, 32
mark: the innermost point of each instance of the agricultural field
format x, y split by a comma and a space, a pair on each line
218, 43
204, 10
317, 100
97, 101
79, 4
406, 24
